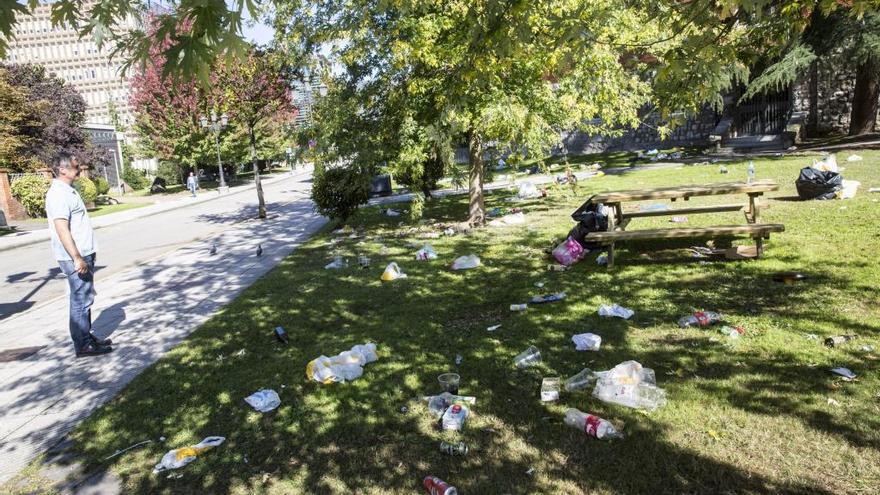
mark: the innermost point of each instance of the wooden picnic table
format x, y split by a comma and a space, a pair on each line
619, 219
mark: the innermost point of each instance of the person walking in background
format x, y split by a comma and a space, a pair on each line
74, 247
192, 183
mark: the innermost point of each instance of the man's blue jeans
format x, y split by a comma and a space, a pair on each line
82, 295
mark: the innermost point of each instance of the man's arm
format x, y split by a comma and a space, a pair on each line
62, 227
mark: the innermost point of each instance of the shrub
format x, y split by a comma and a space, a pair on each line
136, 179
87, 190
170, 172
102, 185
30, 191
337, 192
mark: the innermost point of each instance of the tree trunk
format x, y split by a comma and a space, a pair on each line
477, 210
813, 115
261, 202
865, 98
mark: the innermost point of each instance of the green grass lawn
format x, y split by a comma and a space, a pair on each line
750, 415
107, 209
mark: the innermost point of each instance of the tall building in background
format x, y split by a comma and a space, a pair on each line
305, 95
78, 61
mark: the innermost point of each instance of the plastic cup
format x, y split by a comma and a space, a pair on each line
528, 357
449, 382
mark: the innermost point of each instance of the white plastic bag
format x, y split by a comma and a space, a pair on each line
426, 253
827, 164
345, 366
513, 219
854, 158
616, 310
586, 341
466, 262
264, 400
527, 190
178, 458
850, 187
392, 272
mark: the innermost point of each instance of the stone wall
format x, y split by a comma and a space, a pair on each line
835, 84
12, 209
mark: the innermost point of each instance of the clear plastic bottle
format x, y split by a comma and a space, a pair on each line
751, 172
593, 426
585, 379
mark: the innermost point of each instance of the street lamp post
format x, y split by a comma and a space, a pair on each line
215, 126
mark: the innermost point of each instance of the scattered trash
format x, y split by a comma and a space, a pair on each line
454, 449
404, 409
449, 231
527, 190
240, 353
722, 169
337, 264
347, 365
811, 336
629, 384
449, 381
458, 359
383, 251
557, 268
849, 189
846, 373
616, 310
466, 262
854, 158
678, 219
832, 402
652, 152
264, 400
868, 348
454, 417
177, 458
827, 164
363, 261
586, 341
493, 328
700, 319
436, 486
732, 332
519, 307
583, 380
539, 285
390, 212
118, 452
569, 252
512, 219
549, 389
392, 272
593, 426
426, 253
547, 298
788, 277
741, 252
530, 471
838, 339
528, 357
602, 259
874, 190
281, 335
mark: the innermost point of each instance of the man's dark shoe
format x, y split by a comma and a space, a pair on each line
94, 350
99, 340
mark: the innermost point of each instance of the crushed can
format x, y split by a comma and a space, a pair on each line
436, 486
454, 449
281, 335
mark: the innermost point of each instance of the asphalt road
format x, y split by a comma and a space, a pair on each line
31, 277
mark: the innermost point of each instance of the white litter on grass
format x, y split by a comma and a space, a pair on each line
616, 310
586, 341
426, 253
854, 158
846, 373
466, 262
178, 458
493, 328
527, 190
513, 219
264, 400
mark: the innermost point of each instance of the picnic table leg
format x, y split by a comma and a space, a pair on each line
618, 214
759, 244
610, 255
754, 214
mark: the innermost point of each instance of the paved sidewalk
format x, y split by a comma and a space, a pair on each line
148, 310
25, 238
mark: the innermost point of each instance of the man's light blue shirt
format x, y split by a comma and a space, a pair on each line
62, 201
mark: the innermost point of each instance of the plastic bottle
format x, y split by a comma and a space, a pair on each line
519, 307
593, 426
700, 319
751, 172
436, 486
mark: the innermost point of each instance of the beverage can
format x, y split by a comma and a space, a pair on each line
454, 449
436, 486
518, 307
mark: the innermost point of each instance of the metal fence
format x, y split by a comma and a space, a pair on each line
20, 175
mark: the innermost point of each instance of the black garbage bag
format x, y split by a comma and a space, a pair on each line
816, 184
590, 220
159, 185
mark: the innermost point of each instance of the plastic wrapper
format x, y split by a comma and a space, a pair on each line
392, 272
345, 366
629, 384
616, 310
264, 400
177, 458
466, 262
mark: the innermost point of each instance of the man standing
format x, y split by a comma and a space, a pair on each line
74, 247
192, 183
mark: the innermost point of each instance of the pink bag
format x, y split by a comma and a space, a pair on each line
569, 252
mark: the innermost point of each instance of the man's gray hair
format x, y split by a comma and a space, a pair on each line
64, 161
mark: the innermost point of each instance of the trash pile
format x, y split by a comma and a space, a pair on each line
823, 180
629, 384
345, 366
575, 247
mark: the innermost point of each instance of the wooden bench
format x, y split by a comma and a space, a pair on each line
619, 219
759, 232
